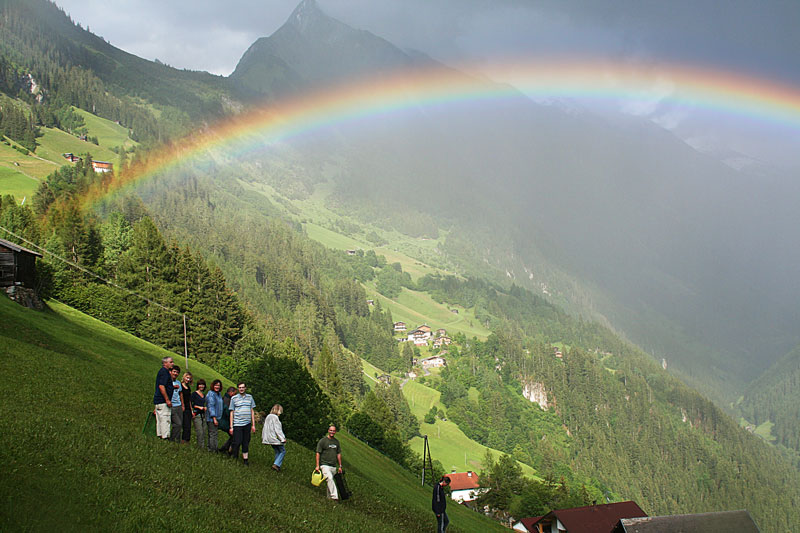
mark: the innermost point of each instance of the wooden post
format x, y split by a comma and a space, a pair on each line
185, 345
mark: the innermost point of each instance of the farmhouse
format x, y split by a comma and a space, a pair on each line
464, 486
420, 338
588, 519
441, 332
72, 158
441, 341
434, 361
102, 166
399, 326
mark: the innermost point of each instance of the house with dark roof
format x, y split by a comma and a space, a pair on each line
589, 519
720, 522
526, 524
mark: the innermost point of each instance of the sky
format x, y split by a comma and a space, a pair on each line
754, 37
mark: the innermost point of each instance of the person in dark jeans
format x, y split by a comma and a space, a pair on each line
439, 504
186, 400
225, 421
243, 422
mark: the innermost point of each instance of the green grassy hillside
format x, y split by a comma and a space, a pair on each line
73, 455
447, 442
20, 174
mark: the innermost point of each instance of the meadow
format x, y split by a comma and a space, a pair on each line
73, 455
447, 443
20, 174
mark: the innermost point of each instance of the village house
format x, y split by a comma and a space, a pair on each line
420, 335
464, 486
589, 519
441, 332
72, 158
441, 341
526, 524
434, 361
399, 326
102, 166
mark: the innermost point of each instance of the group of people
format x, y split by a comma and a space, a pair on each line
178, 410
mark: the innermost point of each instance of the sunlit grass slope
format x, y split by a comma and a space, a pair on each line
72, 455
448, 444
20, 174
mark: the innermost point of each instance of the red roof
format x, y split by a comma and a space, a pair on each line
594, 518
527, 523
463, 480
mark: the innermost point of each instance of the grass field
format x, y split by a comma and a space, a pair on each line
56, 142
20, 174
447, 442
416, 308
16, 184
108, 133
72, 455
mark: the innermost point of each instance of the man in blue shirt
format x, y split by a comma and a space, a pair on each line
163, 398
243, 421
177, 407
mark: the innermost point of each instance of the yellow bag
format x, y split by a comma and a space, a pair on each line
316, 478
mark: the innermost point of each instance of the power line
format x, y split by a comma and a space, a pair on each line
113, 284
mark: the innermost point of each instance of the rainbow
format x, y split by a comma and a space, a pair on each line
722, 91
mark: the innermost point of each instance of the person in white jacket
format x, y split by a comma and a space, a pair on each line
272, 434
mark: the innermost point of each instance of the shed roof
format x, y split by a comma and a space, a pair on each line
17, 248
719, 522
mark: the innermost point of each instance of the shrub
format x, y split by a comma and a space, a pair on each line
307, 410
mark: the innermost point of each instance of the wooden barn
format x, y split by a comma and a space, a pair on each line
17, 265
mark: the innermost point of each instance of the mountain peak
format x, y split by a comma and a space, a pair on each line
306, 14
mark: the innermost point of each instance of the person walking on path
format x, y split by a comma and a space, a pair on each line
225, 421
243, 422
199, 413
177, 406
162, 400
439, 504
213, 413
186, 400
272, 434
329, 457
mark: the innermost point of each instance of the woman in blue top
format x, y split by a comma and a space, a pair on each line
243, 421
213, 413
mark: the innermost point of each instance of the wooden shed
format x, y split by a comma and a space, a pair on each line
17, 265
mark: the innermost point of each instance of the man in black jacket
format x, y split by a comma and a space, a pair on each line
439, 504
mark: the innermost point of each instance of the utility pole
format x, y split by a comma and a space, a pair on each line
185, 344
427, 464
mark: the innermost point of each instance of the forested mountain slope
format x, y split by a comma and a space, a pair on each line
640, 230
774, 400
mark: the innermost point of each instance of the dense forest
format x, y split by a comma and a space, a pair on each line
774, 400
259, 297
